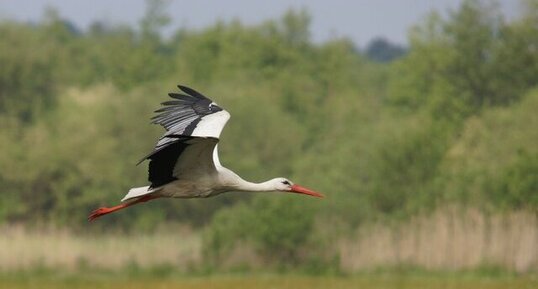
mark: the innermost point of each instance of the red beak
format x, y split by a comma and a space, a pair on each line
302, 190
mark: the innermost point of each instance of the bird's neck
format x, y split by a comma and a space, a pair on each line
255, 187
247, 186
234, 182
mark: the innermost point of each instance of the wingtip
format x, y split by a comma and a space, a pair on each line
183, 88
141, 161
190, 91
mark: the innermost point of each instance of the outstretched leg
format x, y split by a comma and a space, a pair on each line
103, 211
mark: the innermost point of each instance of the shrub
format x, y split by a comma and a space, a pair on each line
277, 226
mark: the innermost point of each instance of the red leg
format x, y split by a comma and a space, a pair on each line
104, 210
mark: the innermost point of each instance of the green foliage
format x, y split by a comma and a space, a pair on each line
458, 65
27, 75
406, 168
154, 19
490, 155
277, 226
518, 185
443, 123
392, 278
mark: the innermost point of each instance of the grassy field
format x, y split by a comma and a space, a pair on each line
447, 240
375, 281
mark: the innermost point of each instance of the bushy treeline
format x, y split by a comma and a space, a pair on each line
452, 121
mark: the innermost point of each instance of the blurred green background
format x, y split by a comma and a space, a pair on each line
427, 153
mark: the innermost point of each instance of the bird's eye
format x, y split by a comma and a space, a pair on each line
286, 183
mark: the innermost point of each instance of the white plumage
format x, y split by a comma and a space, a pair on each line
185, 162
136, 192
211, 125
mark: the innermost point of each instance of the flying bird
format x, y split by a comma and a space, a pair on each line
185, 161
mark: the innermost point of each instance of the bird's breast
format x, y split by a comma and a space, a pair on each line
201, 188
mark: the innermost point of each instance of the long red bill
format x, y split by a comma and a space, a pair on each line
302, 190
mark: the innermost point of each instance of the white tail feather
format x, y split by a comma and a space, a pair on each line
137, 192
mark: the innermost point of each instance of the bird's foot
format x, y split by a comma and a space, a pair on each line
100, 212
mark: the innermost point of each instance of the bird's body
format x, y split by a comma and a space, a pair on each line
185, 162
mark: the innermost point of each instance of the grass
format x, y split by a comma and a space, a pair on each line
449, 240
45, 280
54, 248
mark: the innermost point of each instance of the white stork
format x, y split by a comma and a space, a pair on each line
185, 162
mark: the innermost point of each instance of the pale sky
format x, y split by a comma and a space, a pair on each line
360, 20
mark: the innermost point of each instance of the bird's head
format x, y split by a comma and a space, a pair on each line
285, 185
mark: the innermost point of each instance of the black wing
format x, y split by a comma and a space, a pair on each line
162, 163
181, 117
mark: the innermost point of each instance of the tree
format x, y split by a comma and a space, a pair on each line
382, 50
154, 19
296, 27
466, 62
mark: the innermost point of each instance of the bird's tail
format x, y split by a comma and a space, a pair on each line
137, 192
